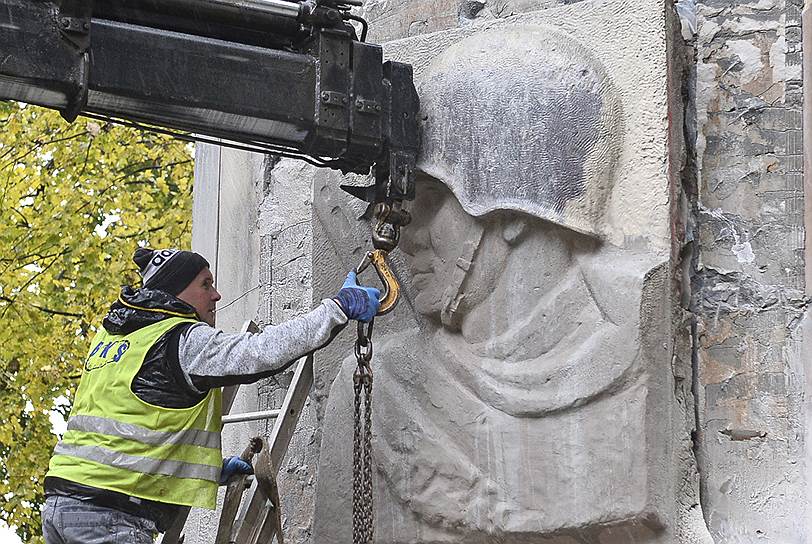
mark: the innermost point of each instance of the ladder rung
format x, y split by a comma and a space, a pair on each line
251, 416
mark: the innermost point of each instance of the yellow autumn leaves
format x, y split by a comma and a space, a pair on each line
75, 200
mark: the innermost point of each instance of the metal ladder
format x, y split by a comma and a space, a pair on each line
256, 520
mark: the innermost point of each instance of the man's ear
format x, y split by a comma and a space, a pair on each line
514, 226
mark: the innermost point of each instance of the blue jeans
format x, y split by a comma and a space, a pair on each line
71, 521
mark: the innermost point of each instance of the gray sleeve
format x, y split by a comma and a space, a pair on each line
212, 358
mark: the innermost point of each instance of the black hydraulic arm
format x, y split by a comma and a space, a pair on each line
277, 75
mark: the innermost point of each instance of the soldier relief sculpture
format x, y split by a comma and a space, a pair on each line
513, 407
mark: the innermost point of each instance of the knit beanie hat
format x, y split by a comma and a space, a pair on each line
169, 270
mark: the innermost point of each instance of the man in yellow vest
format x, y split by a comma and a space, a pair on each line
143, 437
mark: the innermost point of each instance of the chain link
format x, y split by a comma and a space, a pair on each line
362, 505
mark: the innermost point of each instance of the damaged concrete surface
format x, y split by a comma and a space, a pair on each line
748, 290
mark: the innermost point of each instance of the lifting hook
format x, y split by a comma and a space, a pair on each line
390, 294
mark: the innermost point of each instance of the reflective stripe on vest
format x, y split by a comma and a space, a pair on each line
144, 465
130, 431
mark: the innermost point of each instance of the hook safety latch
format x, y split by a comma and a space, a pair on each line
390, 294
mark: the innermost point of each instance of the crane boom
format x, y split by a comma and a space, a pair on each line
287, 77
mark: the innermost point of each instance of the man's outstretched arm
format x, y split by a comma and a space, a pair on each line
212, 358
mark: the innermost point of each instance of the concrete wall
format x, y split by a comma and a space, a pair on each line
256, 233
725, 222
748, 287
286, 238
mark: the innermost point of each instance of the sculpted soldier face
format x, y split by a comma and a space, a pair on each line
435, 244
522, 300
432, 242
455, 256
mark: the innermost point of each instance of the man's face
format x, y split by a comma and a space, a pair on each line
202, 295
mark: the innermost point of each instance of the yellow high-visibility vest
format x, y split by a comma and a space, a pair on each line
118, 442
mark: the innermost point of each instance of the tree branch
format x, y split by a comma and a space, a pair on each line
136, 234
32, 278
151, 167
84, 164
38, 144
49, 311
125, 176
26, 224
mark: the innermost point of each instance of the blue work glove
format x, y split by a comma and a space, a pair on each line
232, 466
358, 302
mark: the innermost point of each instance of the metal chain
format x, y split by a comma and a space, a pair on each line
357, 499
362, 506
367, 477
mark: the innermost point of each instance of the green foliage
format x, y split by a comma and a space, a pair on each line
75, 200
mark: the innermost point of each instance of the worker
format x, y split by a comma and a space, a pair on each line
143, 438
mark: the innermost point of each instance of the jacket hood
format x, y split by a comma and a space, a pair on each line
138, 308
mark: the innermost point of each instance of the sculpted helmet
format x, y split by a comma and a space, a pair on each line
523, 118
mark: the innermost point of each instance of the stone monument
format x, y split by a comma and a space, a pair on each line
524, 388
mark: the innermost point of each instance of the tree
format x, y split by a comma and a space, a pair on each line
75, 200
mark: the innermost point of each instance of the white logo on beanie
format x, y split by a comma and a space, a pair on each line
159, 259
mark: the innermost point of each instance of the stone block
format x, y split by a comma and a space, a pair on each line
523, 387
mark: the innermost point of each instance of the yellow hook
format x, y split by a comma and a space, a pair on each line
390, 294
